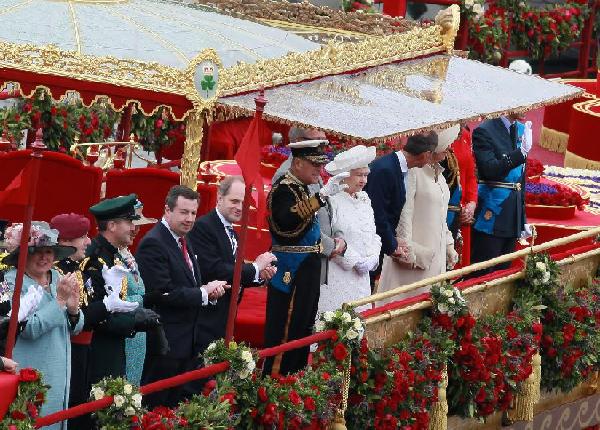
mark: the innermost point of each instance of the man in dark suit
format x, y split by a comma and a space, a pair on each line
216, 243
174, 289
500, 147
387, 190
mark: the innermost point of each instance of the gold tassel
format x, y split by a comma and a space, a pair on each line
438, 415
524, 402
340, 421
554, 140
578, 162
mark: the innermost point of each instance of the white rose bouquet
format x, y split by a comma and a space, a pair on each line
242, 359
126, 403
350, 328
448, 299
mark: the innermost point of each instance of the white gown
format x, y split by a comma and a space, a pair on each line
423, 226
352, 218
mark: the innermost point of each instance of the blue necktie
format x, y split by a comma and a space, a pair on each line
232, 238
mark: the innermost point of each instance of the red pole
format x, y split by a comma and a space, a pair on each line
394, 7
260, 102
34, 171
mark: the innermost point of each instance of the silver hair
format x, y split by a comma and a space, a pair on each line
297, 134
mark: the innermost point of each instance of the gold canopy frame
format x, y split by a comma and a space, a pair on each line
331, 59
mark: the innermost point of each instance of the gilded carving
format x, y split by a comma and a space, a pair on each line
191, 150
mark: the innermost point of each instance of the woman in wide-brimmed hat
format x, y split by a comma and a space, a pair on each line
351, 218
44, 343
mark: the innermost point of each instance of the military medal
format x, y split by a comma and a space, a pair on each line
487, 215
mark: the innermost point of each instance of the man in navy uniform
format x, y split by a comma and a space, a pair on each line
293, 292
500, 147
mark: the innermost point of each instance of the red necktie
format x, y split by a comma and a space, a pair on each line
186, 256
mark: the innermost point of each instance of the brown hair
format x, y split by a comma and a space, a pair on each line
177, 191
226, 184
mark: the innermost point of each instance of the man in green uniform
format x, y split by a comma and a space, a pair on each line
106, 273
293, 293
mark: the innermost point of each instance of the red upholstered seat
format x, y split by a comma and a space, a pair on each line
64, 185
250, 321
208, 198
150, 184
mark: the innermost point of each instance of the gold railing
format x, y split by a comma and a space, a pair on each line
94, 149
472, 268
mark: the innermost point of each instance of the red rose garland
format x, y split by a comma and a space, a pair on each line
31, 395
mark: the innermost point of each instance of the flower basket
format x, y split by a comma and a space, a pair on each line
550, 200
550, 212
8, 391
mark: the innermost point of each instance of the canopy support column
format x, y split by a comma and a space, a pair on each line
194, 125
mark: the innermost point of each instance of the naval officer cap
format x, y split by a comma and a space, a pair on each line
122, 207
312, 150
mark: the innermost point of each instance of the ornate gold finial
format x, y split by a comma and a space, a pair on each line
449, 20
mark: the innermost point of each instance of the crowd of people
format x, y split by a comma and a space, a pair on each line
90, 309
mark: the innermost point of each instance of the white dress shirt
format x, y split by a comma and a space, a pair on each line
233, 242
176, 237
403, 165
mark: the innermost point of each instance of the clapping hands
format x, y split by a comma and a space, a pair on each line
67, 292
216, 289
266, 270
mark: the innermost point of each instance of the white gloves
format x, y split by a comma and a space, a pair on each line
333, 186
366, 264
527, 141
451, 257
114, 303
113, 277
29, 302
527, 231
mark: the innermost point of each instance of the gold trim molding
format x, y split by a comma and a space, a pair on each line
332, 58
50, 60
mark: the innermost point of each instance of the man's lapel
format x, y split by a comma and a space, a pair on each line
173, 246
222, 237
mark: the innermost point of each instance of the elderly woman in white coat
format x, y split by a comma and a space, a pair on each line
351, 217
422, 226
44, 342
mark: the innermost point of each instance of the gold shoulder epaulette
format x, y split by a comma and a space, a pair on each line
84, 263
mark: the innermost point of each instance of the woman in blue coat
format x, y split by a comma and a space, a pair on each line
44, 342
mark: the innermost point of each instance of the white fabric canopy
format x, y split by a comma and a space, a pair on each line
167, 32
401, 98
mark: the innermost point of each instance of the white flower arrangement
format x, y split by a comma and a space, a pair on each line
347, 323
127, 400
448, 299
242, 360
540, 270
